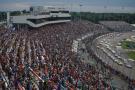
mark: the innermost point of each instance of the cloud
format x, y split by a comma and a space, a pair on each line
71, 6
13, 6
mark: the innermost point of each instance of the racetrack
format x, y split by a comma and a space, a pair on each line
113, 40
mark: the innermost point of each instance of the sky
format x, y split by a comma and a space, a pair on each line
74, 5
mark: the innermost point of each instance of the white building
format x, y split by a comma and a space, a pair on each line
40, 16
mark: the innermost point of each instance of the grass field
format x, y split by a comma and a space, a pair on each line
128, 45
131, 54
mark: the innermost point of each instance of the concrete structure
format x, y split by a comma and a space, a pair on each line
133, 24
40, 16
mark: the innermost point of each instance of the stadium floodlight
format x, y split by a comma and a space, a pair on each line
80, 10
71, 7
105, 8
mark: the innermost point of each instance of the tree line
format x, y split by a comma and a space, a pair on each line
96, 17
3, 15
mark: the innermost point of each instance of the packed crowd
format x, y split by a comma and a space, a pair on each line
43, 59
118, 25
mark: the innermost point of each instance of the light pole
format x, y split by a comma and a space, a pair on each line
8, 19
122, 8
80, 10
71, 6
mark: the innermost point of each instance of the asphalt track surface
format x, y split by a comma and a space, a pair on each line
129, 72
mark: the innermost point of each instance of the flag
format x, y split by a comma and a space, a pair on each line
46, 70
21, 67
20, 87
35, 74
59, 86
76, 84
134, 82
62, 69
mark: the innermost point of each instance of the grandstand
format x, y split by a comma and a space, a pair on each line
45, 54
40, 16
117, 26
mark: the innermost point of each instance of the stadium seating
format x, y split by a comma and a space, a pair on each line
44, 57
